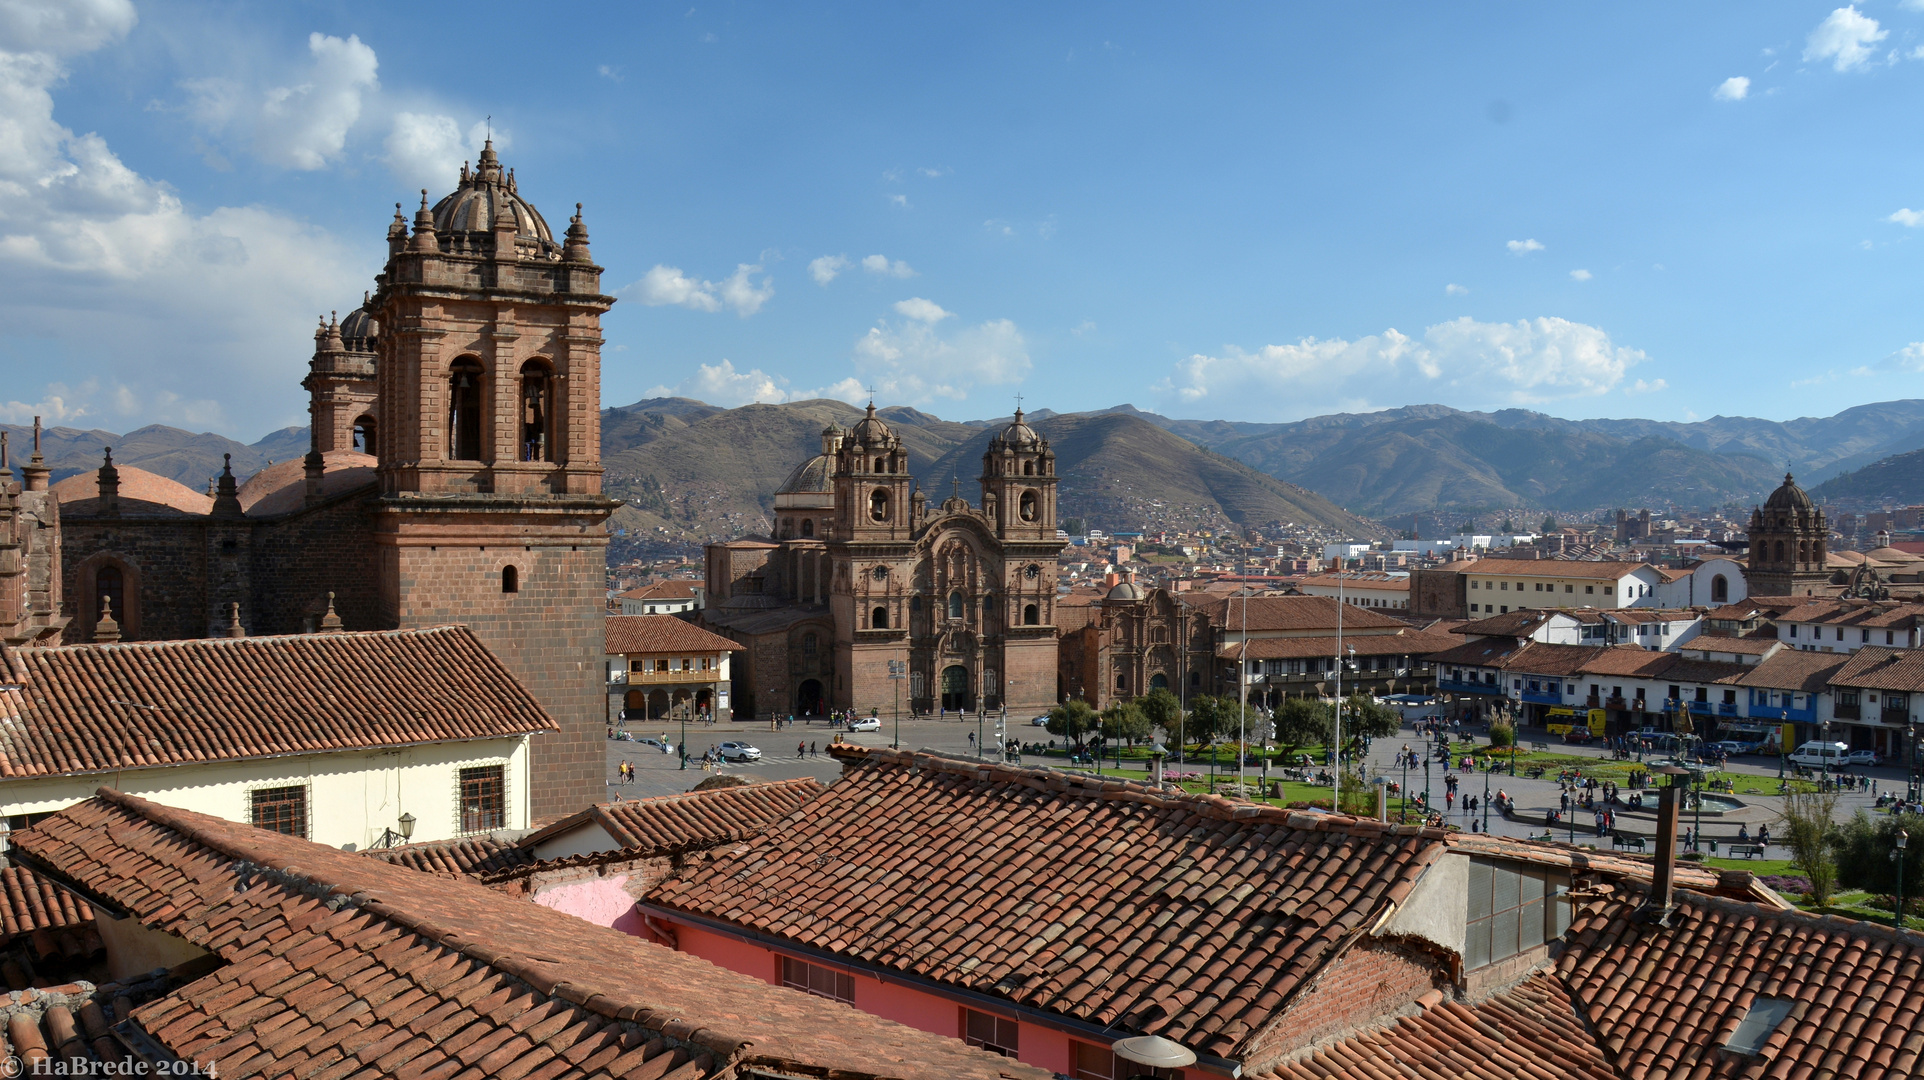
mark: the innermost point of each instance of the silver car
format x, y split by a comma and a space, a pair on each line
739, 751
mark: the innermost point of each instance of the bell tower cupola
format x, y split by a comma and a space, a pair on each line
1019, 483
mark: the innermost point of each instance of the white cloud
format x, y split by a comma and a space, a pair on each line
1735, 88
664, 286
302, 125
1844, 38
921, 310
1456, 290
1474, 363
58, 405
997, 225
1651, 387
1580, 275
824, 269
426, 149
933, 173
1523, 247
101, 266
721, 384
899, 200
64, 27
910, 361
1907, 217
880, 264
1083, 327
609, 72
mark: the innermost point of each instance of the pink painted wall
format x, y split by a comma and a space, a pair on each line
1041, 1046
601, 901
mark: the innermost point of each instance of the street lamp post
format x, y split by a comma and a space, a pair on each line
1697, 825
1426, 785
1405, 759
684, 740
1897, 914
1486, 801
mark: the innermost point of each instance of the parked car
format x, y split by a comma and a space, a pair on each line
865, 723
1733, 747
1865, 757
739, 751
1578, 735
1821, 755
1041, 721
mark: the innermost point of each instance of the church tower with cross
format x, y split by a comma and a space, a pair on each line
870, 592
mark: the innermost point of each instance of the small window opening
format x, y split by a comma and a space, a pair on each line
510, 579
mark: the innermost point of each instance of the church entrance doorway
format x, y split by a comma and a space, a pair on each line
808, 698
1159, 681
955, 689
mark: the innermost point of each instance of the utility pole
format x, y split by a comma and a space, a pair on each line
1336, 775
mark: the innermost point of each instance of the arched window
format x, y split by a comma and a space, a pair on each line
878, 505
510, 579
988, 608
110, 587
1719, 590
1780, 551
1028, 506
537, 411
1031, 615
464, 410
1195, 678
1028, 468
879, 619
1122, 682
915, 604
955, 604
878, 465
1159, 681
788, 528
808, 528
364, 435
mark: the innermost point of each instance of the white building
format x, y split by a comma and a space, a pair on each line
1716, 580
1496, 586
663, 598
340, 738
1378, 589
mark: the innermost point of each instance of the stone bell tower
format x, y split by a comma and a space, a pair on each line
1789, 539
488, 392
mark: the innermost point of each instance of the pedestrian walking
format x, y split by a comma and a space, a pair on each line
801, 749
811, 749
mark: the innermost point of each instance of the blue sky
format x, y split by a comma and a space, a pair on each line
1258, 213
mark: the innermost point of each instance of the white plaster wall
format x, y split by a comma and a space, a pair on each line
1437, 908
585, 839
352, 796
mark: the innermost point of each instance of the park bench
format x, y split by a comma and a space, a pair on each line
1747, 850
1542, 747
1620, 840
1534, 772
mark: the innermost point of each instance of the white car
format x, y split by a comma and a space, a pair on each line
739, 751
865, 723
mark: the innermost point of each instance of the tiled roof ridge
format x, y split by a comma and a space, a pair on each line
1637, 870
538, 974
252, 640
1106, 788
602, 816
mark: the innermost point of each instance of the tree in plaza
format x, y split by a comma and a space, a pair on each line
1124, 721
1863, 848
1072, 720
1502, 733
1207, 718
1810, 826
1161, 708
1366, 719
1549, 524
1300, 722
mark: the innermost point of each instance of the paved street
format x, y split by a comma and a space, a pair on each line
657, 773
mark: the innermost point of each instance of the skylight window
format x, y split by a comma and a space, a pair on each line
1758, 1025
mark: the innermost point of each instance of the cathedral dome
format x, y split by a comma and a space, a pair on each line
1788, 497
1019, 435
483, 193
1127, 590
870, 430
359, 329
810, 477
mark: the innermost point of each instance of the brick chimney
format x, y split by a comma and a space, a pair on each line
1663, 885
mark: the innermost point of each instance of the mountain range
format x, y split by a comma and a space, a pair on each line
688, 469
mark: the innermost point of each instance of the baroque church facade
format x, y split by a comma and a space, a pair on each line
867, 594
454, 476
1789, 542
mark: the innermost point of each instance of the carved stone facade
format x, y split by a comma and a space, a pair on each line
947, 607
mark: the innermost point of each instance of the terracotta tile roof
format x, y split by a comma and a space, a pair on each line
1557, 568
1291, 613
1736, 646
1634, 616
1768, 607
1665, 1002
1790, 669
281, 487
1877, 668
95, 708
1532, 1030
695, 819
1416, 643
1523, 621
628, 634
470, 857
1483, 652
1864, 613
1557, 661
30, 902
336, 964
1186, 916
671, 589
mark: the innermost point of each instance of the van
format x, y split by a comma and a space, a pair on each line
1816, 755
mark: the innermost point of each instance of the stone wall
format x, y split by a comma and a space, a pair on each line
1371, 982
